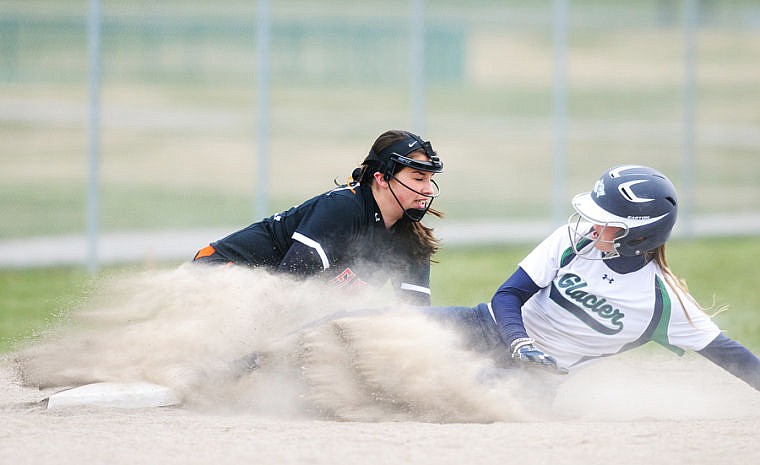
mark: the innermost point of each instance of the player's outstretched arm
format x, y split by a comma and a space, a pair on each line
507, 305
734, 358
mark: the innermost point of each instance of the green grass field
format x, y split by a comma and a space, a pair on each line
720, 270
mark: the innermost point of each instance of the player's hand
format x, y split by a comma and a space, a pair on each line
525, 353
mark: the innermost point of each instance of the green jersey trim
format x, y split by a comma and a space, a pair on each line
660, 334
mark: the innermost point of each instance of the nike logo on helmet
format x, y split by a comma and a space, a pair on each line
412, 144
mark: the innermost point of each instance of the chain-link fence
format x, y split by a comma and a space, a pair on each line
179, 135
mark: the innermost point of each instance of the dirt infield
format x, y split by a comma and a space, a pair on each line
364, 388
646, 421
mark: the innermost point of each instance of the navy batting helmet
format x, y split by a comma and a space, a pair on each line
640, 200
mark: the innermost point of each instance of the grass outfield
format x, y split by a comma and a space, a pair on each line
720, 270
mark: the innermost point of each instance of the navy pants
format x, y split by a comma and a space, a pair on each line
476, 327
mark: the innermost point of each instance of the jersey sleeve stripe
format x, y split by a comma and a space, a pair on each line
660, 334
412, 287
314, 245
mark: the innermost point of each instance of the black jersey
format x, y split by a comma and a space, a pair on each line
339, 235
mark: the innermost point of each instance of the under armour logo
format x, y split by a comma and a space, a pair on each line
608, 279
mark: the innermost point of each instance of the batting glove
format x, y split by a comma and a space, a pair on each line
526, 354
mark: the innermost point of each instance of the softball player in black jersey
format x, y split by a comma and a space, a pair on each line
362, 233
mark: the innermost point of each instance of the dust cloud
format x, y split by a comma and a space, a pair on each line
194, 329
320, 354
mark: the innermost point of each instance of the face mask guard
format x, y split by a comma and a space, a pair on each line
584, 238
397, 153
416, 214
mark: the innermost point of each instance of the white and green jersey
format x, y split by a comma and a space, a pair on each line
586, 310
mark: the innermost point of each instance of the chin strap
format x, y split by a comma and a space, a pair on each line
415, 214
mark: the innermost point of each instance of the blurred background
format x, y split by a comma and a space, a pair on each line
135, 129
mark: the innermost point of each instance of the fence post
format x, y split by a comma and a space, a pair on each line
690, 24
559, 105
263, 51
93, 200
417, 63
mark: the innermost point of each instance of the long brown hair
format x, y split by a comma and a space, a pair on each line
677, 283
422, 242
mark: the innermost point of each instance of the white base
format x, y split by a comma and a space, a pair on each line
119, 395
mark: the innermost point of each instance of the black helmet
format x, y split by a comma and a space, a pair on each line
385, 161
639, 199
